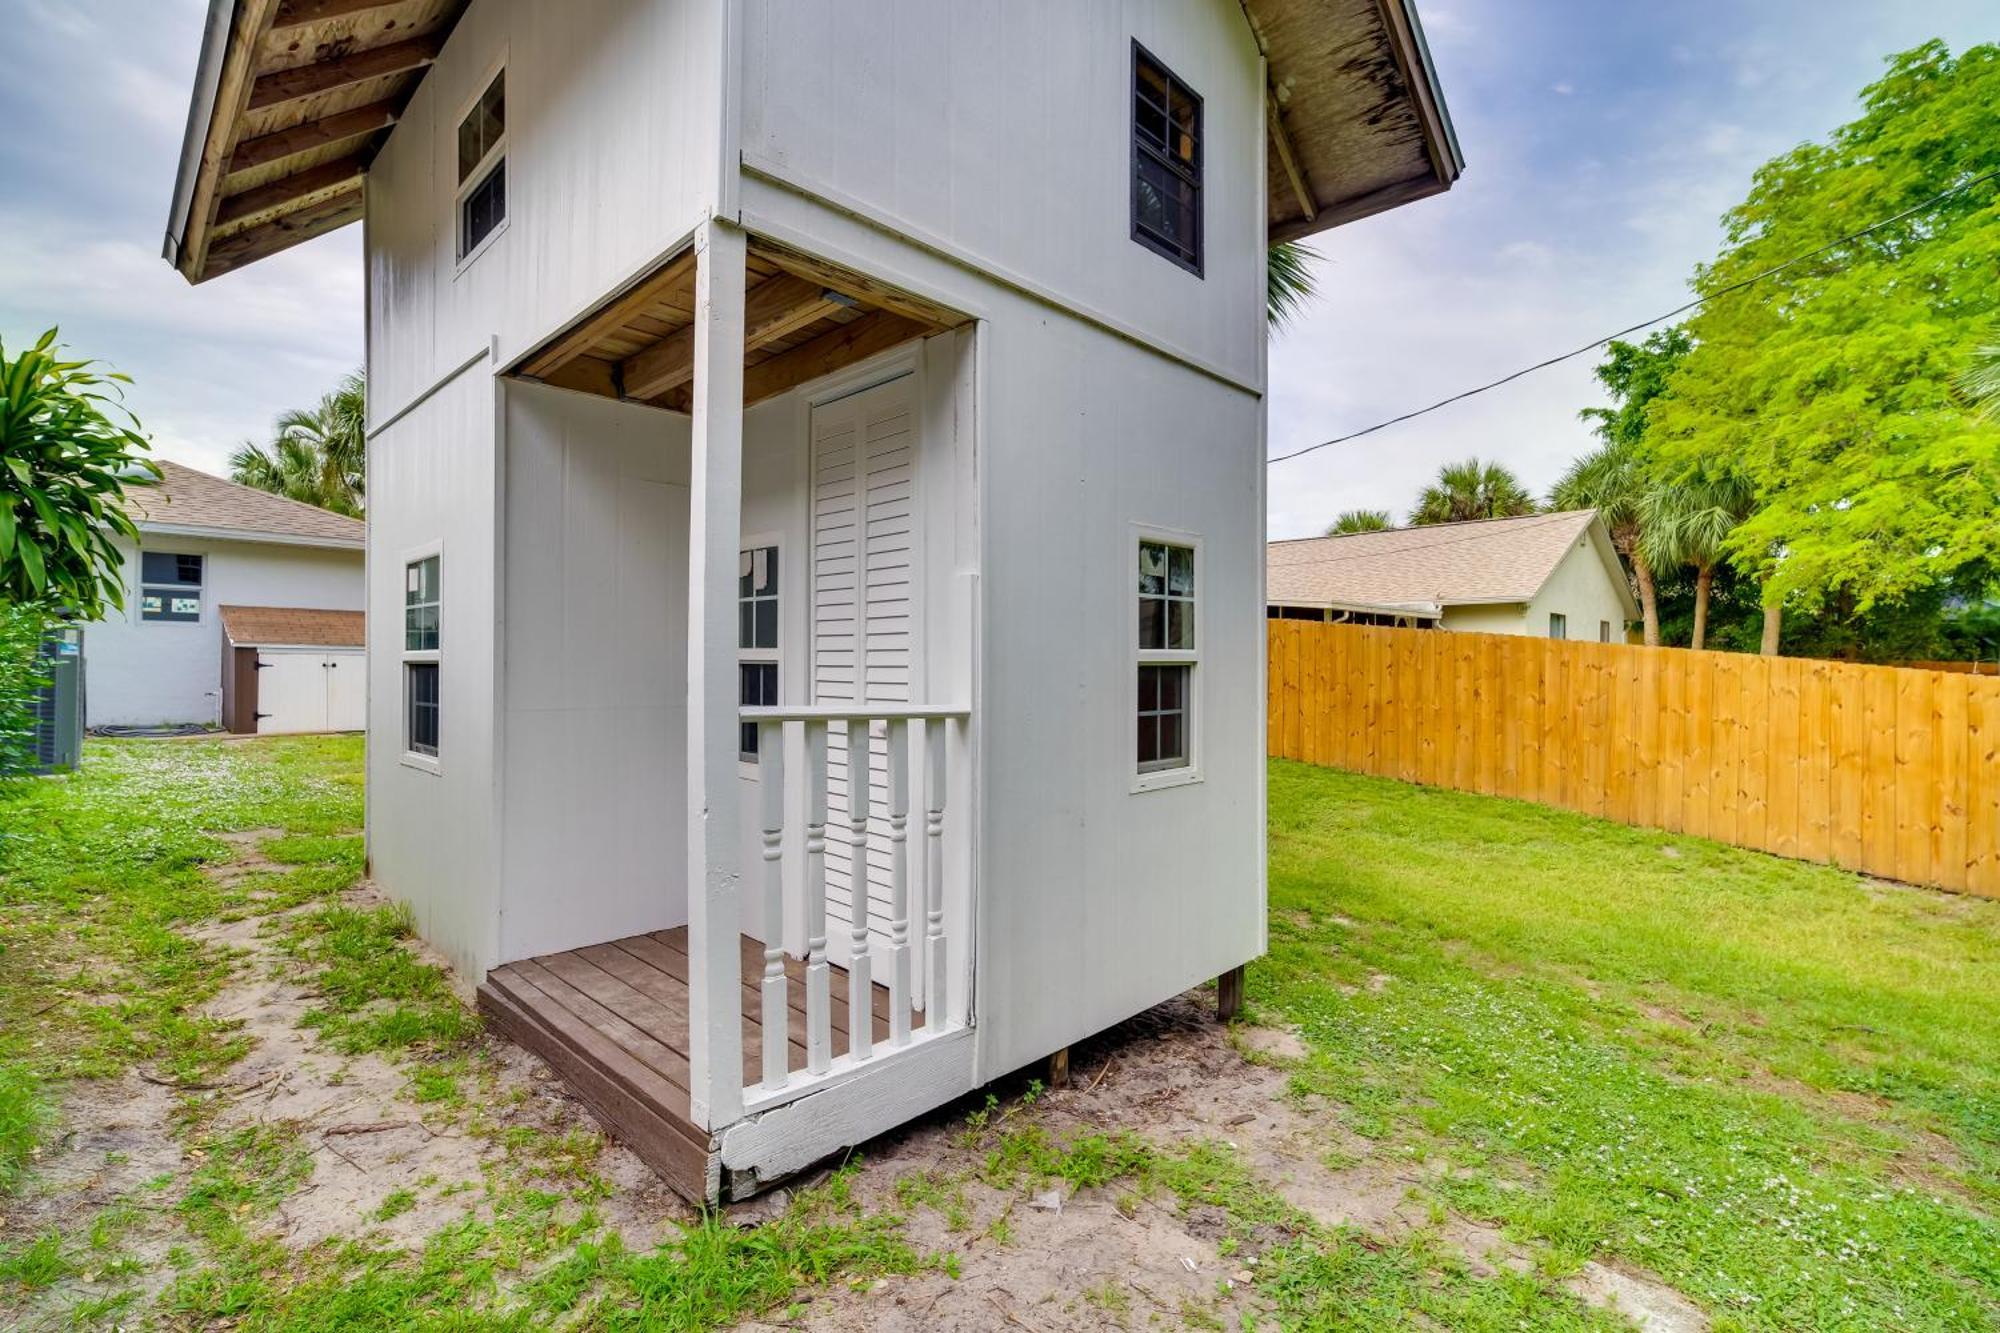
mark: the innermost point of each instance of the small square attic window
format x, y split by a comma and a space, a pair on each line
482, 167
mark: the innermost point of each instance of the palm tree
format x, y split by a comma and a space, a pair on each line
1686, 523
1358, 520
1472, 490
1288, 281
318, 455
1981, 383
1613, 480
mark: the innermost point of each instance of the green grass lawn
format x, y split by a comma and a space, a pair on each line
1774, 1086
1777, 1086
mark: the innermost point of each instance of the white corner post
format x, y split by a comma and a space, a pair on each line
715, 963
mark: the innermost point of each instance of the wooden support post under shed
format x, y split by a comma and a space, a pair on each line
1229, 994
1059, 1069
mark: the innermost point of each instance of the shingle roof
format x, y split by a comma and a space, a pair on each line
186, 498
293, 626
1493, 560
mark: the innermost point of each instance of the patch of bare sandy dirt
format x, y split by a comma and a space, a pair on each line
1102, 1258
123, 1149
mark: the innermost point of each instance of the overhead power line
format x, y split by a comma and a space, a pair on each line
1675, 313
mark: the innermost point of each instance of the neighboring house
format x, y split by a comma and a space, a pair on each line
208, 551
773, 400
1551, 575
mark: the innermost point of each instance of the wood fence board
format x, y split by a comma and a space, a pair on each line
1982, 823
1916, 780
1954, 692
1753, 753
1878, 780
1673, 739
1409, 679
1815, 763
1463, 713
1781, 757
1848, 696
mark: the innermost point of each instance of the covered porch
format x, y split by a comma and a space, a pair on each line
827, 756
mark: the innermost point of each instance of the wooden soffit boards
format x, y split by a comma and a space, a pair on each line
293, 99
803, 318
1356, 120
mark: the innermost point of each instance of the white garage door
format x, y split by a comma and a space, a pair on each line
318, 689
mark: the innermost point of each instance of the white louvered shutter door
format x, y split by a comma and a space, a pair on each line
863, 590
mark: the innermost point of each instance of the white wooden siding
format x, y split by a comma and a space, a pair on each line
863, 581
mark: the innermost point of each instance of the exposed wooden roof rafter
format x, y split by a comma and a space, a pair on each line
872, 333
291, 85
344, 127
290, 192
797, 326
1287, 158
772, 309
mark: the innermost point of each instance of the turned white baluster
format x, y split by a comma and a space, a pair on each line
819, 1001
860, 974
899, 881
934, 787
776, 1008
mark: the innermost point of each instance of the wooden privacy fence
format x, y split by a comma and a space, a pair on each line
1881, 769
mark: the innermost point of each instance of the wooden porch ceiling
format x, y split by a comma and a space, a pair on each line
306, 93
803, 318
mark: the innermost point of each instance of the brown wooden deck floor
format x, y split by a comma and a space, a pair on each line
612, 1020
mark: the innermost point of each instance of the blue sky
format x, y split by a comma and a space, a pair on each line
1603, 141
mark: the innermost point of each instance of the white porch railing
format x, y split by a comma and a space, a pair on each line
795, 738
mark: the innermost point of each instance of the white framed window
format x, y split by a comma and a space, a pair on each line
1166, 712
757, 635
1558, 625
423, 604
481, 202
170, 587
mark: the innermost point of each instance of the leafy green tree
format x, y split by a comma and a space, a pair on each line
1288, 281
1617, 479
317, 455
70, 449
1831, 388
1472, 490
1358, 520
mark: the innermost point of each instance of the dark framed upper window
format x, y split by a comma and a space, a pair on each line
1166, 162
482, 167
1558, 625
170, 587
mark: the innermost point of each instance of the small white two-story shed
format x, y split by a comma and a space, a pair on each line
769, 393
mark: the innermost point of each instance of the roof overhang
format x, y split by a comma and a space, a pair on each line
292, 100
1358, 123
246, 535
1414, 610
